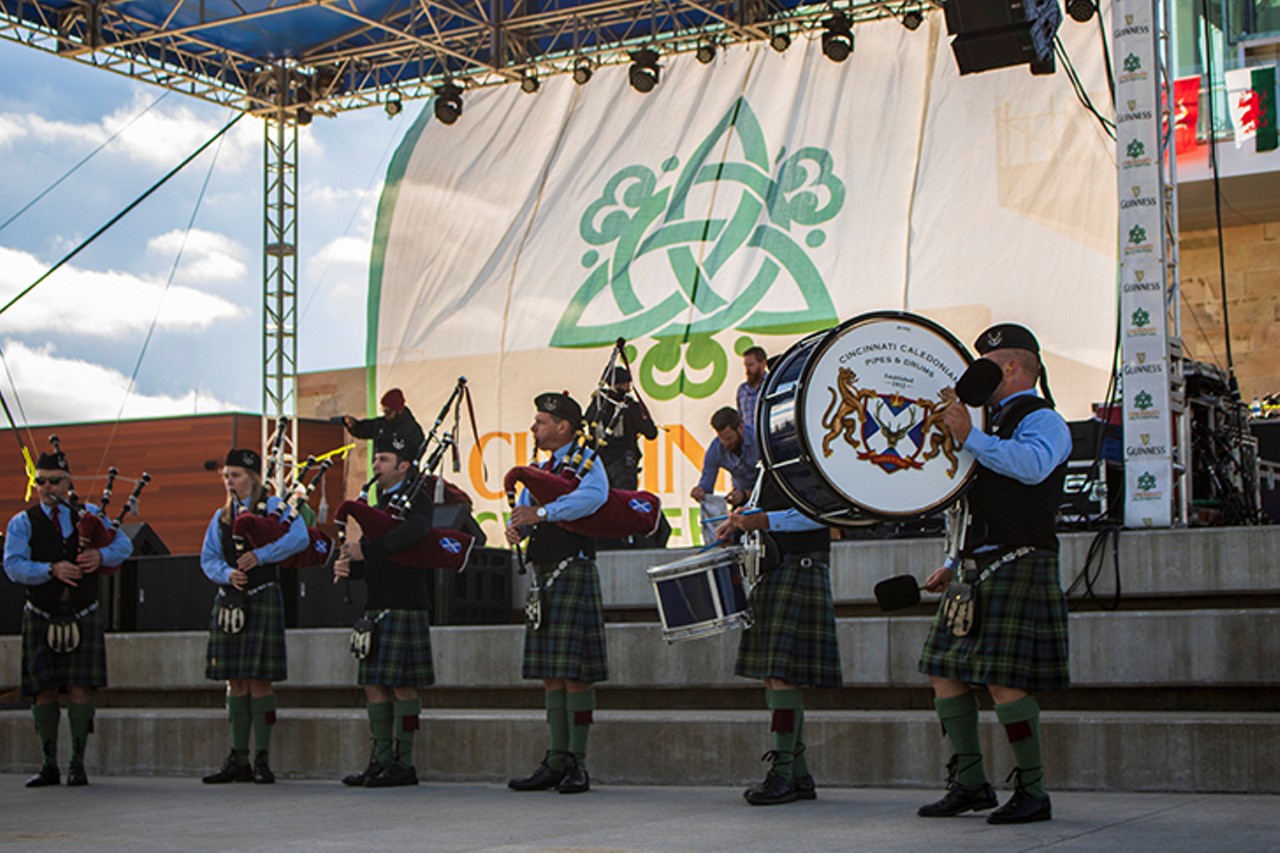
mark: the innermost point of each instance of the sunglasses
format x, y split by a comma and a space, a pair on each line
53, 481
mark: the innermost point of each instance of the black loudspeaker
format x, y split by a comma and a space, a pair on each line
1092, 439
458, 517
478, 595
1268, 434
320, 599
13, 597
1000, 33
168, 594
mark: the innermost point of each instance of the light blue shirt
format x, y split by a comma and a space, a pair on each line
1040, 443
589, 495
741, 465
792, 521
218, 570
18, 564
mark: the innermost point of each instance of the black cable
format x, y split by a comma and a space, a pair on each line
1106, 56
1217, 197
1093, 564
137, 201
1108, 126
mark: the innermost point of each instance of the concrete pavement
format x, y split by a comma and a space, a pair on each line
139, 814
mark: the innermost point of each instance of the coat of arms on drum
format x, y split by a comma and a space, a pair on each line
897, 433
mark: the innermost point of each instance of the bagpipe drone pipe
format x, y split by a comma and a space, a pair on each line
260, 527
96, 530
624, 513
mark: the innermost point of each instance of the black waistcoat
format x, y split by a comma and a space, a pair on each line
793, 542
389, 585
258, 575
549, 543
49, 546
1008, 513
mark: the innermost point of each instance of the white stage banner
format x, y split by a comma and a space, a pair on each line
1148, 420
746, 202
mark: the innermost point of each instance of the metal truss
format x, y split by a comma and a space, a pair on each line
280, 285
405, 53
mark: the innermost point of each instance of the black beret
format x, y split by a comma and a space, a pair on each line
620, 375
560, 405
52, 462
243, 457
1007, 336
390, 442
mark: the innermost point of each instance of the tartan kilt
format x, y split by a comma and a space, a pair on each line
570, 642
401, 655
42, 669
793, 630
257, 651
1021, 637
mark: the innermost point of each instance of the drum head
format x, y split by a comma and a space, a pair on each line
867, 418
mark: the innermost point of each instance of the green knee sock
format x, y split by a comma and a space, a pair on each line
579, 710
801, 766
1021, 721
263, 709
558, 725
47, 717
787, 706
406, 712
959, 716
382, 724
241, 717
80, 719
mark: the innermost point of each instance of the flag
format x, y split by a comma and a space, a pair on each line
1186, 112
1251, 96
1264, 90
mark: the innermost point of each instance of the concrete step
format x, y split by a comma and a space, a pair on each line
1084, 751
1166, 648
1203, 562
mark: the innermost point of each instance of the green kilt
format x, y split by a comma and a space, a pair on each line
570, 642
258, 650
401, 655
793, 630
42, 669
1021, 636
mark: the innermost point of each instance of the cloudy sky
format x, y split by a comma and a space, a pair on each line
187, 261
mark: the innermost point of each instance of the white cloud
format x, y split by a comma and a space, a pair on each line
341, 267
10, 129
327, 194
103, 304
59, 390
206, 255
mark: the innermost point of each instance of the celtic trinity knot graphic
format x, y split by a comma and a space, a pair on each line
1143, 400
896, 433
1147, 481
1132, 63
1141, 317
1136, 149
1137, 234
655, 249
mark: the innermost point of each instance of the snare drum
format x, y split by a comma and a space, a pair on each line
850, 421
702, 595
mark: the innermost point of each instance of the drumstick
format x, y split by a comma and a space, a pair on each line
717, 518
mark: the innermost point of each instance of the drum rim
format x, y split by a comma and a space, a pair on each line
698, 562
826, 337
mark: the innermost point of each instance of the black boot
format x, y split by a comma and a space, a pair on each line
1023, 806
575, 779
48, 775
960, 799
234, 769
543, 778
76, 777
394, 776
357, 780
261, 770
776, 788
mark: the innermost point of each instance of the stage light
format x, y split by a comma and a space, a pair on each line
837, 37
448, 102
582, 71
1081, 10
993, 34
529, 83
303, 117
706, 52
912, 20
780, 40
644, 69
393, 105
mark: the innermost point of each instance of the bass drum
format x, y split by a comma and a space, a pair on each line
850, 421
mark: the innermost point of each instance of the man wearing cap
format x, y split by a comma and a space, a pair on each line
621, 420
41, 552
564, 633
246, 645
1017, 640
397, 659
396, 418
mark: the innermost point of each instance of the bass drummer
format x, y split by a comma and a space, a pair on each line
792, 640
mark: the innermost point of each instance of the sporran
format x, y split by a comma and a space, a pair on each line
364, 635
960, 608
63, 634
231, 611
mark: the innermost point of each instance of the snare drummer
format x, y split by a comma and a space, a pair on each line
565, 645
1018, 642
792, 641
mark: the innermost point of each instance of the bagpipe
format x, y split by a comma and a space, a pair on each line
96, 530
260, 527
441, 548
625, 512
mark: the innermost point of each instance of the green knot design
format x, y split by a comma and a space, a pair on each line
1136, 149
657, 240
1137, 235
1141, 317
1143, 400
1147, 481
1132, 63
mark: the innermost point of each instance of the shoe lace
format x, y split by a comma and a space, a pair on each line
1015, 776
954, 769
778, 756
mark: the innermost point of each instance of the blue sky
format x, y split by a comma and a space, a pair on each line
72, 344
